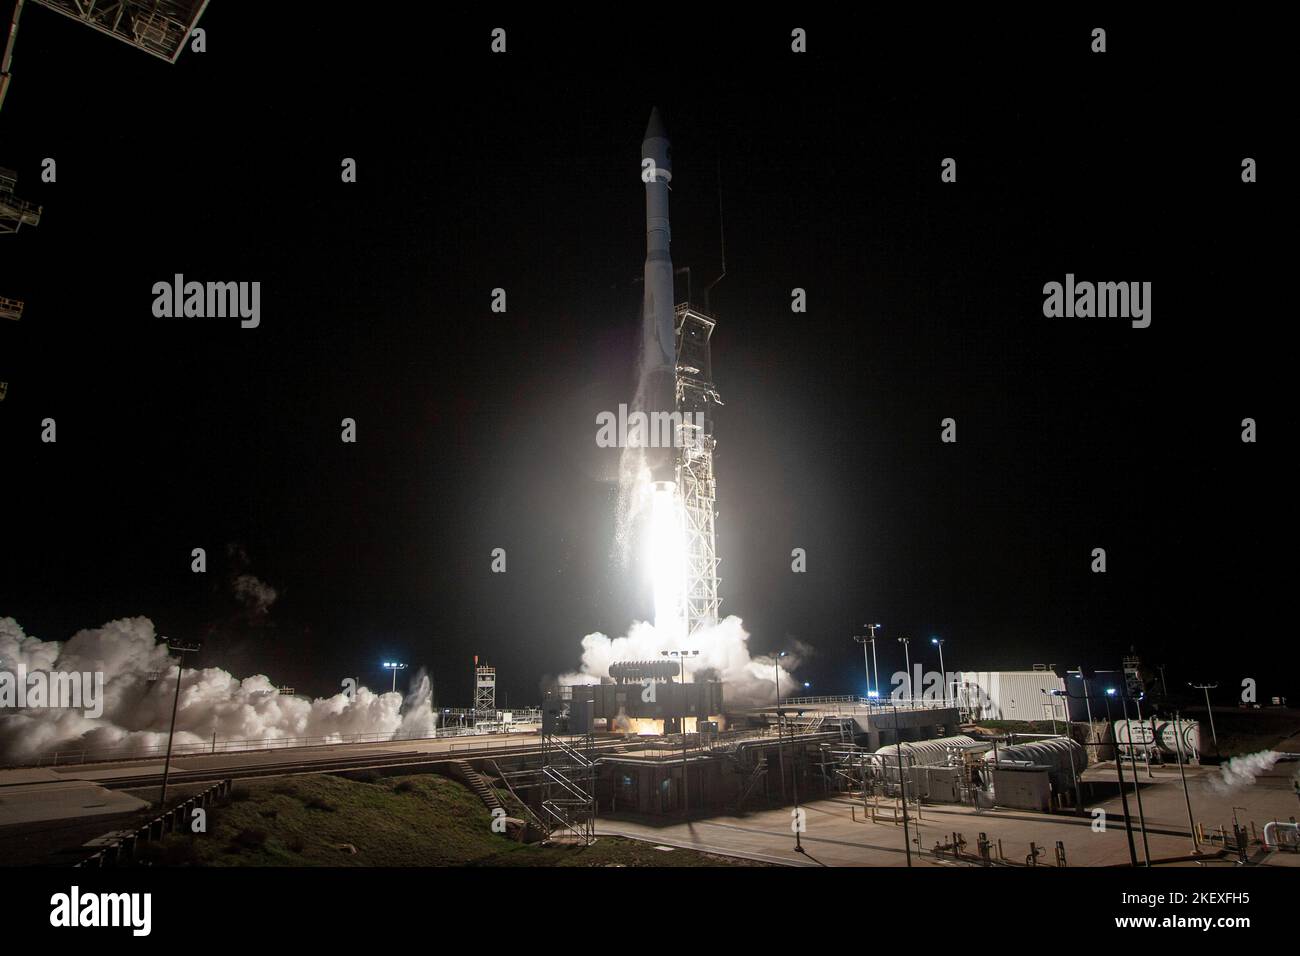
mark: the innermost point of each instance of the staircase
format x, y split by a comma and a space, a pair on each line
568, 801
805, 725
750, 785
478, 783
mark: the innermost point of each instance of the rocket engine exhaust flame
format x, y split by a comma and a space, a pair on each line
666, 561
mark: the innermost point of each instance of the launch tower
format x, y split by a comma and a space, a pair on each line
696, 395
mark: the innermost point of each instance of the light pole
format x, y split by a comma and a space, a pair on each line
1119, 772
1078, 790
875, 668
681, 656
1146, 749
907, 657
1178, 746
1137, 791
780, 736
864, 641
902, 784
394, 666
182, 648
1209, 710
938, 642
780, 747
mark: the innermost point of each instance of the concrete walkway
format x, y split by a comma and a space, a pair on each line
837, 834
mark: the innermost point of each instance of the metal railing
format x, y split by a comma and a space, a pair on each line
846, 704
247, 745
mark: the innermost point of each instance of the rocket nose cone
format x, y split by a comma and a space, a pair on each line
655, 128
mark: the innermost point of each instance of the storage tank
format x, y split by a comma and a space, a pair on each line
1167, 733
1054, 752
1138, 735
933, 753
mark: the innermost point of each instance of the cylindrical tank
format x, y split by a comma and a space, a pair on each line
1138, 734
637, 671
932, 753
1054, 752
1167, 733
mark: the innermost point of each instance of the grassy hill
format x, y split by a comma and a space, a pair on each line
416, 820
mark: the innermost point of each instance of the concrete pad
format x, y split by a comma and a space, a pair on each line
61, 800
27, 775
837, 832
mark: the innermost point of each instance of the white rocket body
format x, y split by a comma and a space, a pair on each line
659, 349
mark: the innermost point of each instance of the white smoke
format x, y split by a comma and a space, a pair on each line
255, 595
724, 655
139, 686
1240, 772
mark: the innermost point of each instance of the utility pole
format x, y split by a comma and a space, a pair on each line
182, 648
780, 734
902, 785
875, 667
907, 657
1209, 710
1137, 791
1178, 746
394, 666
1146, 749
1119, 772
864, 641
681, 656
938, 641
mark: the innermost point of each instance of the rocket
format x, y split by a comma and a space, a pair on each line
658, 319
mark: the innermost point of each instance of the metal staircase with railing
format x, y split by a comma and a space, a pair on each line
568, 775
755, 778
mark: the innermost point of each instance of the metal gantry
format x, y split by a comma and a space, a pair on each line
14, 212
485, 693
695, 481
158, 27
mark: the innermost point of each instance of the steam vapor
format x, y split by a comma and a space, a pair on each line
139, 685
724, 655
1240, 772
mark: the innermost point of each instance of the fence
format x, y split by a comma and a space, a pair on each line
130, 752
128, 846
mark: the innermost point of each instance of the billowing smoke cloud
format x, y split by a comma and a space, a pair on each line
724, 655
255, 595
1240, 772
139, 685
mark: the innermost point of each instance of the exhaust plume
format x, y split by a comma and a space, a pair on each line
724, 655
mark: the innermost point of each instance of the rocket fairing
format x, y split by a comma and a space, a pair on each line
658, 320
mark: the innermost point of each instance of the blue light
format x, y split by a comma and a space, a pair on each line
1110, 691
873, 693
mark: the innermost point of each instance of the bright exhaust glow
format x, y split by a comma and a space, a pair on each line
667, 561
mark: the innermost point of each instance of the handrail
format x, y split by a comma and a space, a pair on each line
245, 745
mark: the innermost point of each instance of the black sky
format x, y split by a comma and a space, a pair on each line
475, 429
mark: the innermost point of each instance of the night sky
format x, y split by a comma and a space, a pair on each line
476, 429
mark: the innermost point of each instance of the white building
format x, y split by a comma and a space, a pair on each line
1011, 695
